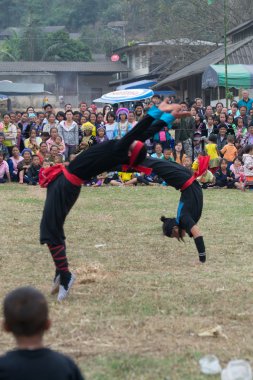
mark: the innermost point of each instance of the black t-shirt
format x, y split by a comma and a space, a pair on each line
40, 364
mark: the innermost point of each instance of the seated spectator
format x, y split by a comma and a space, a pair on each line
101, 137
110, 125
178, 153
59, 159
222, 136
248, 164
197, 145
42, 152
248, 138
13, 162
238, 169
60, 144
25, 164
44, 136
32, 175
212, 151
26, 318
54, 151
3, 148
225, 177
89, 125
229, 151
158, 151
88, 139
187, 163
51, 140
167, 154
33, 142
207, 179
77, 117
99, 120
4, 169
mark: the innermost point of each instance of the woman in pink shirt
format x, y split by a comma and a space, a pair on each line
13, 163
51, 140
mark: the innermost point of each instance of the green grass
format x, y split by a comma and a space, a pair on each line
140, 299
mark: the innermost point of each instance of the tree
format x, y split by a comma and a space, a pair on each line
60, 47
10, 49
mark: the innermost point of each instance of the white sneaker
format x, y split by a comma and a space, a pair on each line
55, 285
63, 293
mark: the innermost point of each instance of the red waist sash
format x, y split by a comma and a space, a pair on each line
48, 175
203, 166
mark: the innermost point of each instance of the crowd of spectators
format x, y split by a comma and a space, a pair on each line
31, 140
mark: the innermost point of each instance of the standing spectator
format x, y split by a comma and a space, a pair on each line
110, 125
10, 132
184, 131
52, 122
83, 107
240, 132
200, 109
51, 140
245, 101
244, 116
131, 119
3, 148
60, 116
23, 122
123, 126
222, 137
248, 138
212, 151
229, 151
218, 109
138, 111
234, 109
68, 130
208, 112
107, 108
209, 128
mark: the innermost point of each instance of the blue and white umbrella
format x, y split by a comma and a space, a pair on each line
3, 97
125, 96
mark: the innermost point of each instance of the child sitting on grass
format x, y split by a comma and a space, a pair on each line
225, 177
26, 317
32, 175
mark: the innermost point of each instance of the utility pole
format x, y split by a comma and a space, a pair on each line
225, 50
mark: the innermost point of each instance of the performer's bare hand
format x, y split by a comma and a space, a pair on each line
166, 107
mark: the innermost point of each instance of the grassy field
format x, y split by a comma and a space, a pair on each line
140, 299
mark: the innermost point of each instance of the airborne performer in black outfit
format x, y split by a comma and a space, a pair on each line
64, 185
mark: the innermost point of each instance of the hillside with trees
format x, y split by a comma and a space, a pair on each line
90, 26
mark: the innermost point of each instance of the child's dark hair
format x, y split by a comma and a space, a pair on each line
110, 113
25, 311
168, 225
223, 160
247, 149
231, 138
239, 158
212, 138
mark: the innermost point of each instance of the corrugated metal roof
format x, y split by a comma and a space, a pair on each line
240, 52
9, 88
240, 27
82, 67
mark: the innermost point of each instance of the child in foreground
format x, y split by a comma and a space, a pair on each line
26, 317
